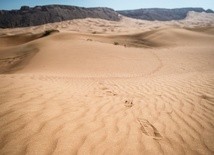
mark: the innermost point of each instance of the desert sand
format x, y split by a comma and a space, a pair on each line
75, 91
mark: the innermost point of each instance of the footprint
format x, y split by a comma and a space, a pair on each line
148, 129
110, 93
104, 88
206, 97
128, 103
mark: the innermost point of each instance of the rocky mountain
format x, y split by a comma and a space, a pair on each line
161, 14
32, 16
39, 15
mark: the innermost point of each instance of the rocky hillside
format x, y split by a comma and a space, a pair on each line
39, 15
161, 14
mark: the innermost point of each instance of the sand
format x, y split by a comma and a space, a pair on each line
76, 92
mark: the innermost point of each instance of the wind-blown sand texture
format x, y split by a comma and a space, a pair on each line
75, 92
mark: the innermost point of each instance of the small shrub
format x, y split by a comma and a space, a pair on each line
48, 32
116, 43
89, 39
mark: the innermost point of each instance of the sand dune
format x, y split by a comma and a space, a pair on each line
79, 93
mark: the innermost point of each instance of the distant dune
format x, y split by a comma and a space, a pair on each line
94, 86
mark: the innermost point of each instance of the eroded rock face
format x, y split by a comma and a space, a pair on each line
39, 15
161, 14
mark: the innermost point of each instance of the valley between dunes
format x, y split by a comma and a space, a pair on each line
76, 92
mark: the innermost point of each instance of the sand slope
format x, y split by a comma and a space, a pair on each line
78, 93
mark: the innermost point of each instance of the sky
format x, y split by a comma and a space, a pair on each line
115, 4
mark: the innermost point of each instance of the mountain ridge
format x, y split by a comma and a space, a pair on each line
161, 14
31, 16
39, 15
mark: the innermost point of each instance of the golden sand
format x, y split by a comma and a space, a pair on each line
76, 92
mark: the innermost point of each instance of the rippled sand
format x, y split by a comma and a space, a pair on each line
73, 92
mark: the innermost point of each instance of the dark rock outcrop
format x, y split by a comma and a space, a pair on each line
39, 15
161, 14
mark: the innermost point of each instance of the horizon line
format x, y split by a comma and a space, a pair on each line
33, 6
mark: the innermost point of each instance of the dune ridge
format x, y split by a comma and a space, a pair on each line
78, 93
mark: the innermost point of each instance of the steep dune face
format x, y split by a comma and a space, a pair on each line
80, 93
17, 50
14, 59
13, 40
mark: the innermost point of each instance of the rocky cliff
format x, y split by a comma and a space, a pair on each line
39, 15
161, 14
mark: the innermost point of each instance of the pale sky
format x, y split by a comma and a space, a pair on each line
115, 4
